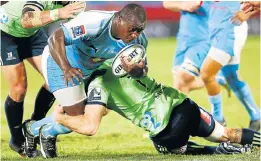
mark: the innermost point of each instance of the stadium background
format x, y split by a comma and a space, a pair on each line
118, 139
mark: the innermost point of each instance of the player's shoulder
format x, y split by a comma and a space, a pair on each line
92, 19
142, 39
96, 16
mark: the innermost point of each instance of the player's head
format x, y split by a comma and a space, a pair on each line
130, 22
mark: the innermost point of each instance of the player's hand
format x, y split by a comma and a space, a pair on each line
242, 16
135, 70
71, 10
191, 6
252, 3
70, 73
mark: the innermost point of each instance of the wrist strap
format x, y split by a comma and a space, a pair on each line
54, 14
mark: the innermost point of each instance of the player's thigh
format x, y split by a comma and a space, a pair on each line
222, 45
177, 132
15, 76
209, 68
9, 50
194, 57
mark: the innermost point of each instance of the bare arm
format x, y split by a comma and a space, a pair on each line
86, 124
36, 16
57, 50
189, 6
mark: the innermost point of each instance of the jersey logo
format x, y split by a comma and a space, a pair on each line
148, 122
10, 56
205, 116
3, 16
95, 94
78, 31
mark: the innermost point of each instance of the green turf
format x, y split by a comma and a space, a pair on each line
118, 139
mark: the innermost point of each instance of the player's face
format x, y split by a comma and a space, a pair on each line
129, 31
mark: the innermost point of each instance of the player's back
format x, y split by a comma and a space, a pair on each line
193, 26
145, 102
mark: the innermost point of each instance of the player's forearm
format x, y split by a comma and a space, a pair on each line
172, 5
79, 124
57, 49
34, 19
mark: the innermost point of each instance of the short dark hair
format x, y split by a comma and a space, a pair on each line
134, 13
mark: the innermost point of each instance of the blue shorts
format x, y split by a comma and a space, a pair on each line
54, 74
194, 52
15, 49
223, 39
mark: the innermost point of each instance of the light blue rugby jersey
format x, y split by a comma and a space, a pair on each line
194, 26
90, 35
220, 13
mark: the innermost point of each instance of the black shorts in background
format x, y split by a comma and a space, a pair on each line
15, 49
187, 119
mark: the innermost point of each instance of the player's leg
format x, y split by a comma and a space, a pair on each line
174, 138
220, 54
240, 87
44, 99
243, 93
204, 125
208, 73
186, 67
71, 98
15, 74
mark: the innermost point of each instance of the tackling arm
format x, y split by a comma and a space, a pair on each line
57, 49
86, 124
33, 14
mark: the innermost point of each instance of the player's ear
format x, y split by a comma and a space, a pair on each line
119, 20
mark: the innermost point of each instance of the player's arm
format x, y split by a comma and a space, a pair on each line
57, 49
34, 14
189, 6
242, 16
136, 70
86, 124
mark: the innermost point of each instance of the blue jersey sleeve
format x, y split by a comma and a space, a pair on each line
85, 26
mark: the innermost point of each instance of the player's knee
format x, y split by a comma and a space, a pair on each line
206, 77
182, 81
18, 91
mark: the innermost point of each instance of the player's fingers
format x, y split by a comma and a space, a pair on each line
79, 73
77, 11
78, 6
249, 9
66, 81
142, 63
71, 80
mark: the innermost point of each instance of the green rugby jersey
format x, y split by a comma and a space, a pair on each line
11, 13
145, 102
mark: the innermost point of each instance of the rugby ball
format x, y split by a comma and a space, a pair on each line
134, 52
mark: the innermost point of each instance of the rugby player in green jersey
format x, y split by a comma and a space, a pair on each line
167, 114
23, 39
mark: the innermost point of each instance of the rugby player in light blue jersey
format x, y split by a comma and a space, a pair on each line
74, 52
227, 41
193, 44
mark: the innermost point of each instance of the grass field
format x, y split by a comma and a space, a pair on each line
118, 139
